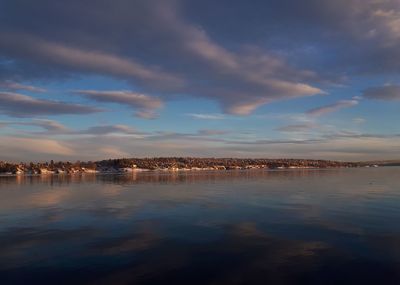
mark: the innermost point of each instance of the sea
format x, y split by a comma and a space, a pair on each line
295, 226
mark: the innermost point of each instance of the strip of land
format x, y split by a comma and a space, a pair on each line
169, 164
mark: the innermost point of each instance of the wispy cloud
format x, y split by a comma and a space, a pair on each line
144, 104
104, 141
15, 86
18, 105
54, 128
162, 50
297, 128
146, 114
107, 129
18, 147
212, 132
240, 81
207, 116
49, 125
359, 121
320, 111
177, 56
63, 56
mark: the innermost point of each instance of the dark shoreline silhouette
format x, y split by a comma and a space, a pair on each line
167, 163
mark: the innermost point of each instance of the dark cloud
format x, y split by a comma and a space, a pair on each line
27, 47
145, 105
152, 45
18, 105
344, 36
201, 48
386, 93
14, 86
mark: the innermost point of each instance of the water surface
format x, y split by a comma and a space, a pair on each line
339, 226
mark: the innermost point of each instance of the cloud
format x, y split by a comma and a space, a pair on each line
207, 116
359, 121
167, 50
320, 32
146, 114
18, 105
53, 128
113, 152
297, 128
169, 57
344, 37
107, 129
51, 53
14, 86
144, 104
18, 147
385, 93
389, 20
212, 132
106, 141
50, 126
350, 147
244, 108
320, 111
200, 135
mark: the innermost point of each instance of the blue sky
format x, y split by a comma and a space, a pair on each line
302, 79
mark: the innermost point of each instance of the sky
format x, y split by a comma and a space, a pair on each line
89, 80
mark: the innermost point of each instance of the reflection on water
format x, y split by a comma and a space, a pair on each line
237, 227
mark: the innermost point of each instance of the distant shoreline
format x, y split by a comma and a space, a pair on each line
167, 171
171, 164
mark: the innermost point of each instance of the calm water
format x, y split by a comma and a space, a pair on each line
243, 227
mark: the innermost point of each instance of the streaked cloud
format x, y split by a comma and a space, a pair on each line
359, 120
320, 111
54, 128
18, 105
297, 128
107, 129
207, 116
98, 142
212, 132
144, 104
48, 125
177, 55
15, 86
62, 56
18, 147
345, 147
146, 114
239, 80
